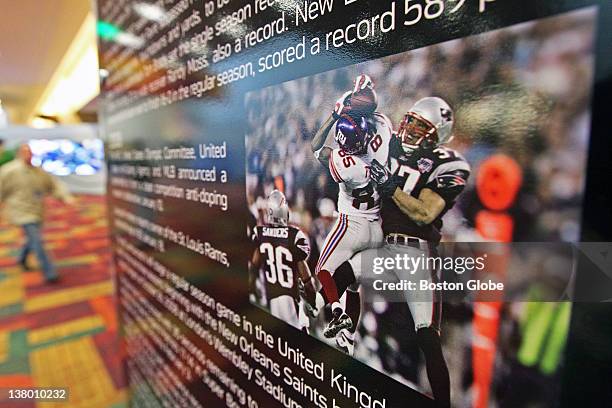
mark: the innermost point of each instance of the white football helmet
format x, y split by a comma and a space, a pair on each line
278, 210
428, 123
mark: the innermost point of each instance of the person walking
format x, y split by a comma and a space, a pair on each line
22, 191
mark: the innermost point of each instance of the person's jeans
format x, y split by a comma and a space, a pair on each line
34, 243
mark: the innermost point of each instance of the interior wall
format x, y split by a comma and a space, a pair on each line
94, 184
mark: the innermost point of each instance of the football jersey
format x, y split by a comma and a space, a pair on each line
281, 249
378, 146
441, 170
357, 195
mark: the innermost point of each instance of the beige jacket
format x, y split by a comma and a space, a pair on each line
22, 190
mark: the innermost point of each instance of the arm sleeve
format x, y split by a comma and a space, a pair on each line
449, 179
302, 246
384, 119
395, 147
6, 188
335, 166
254, 239
56, 188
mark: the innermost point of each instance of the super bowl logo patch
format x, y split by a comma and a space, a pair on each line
425, 165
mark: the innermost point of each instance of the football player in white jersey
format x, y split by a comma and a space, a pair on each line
418, 184
362, 135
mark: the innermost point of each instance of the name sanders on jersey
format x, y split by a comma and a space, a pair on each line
424, 284
282, 232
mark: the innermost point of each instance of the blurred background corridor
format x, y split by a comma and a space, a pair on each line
65, 332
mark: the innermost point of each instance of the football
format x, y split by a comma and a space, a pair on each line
364, 101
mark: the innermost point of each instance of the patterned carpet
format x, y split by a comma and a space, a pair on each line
65, 334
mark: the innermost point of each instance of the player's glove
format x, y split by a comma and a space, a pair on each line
308, 309
301, 288
362, 82
395, 147
385, 181
379, 173
308, 303
343, 105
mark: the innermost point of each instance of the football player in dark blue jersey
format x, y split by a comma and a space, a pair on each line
280, 254
418, 185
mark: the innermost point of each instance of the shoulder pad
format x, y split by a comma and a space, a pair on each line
255, 235
449, 162
301, 242
454, 178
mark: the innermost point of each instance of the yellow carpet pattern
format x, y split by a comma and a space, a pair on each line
64, 334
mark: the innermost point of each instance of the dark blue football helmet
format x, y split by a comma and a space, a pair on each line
352, 134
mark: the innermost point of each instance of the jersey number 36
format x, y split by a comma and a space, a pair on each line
277, 259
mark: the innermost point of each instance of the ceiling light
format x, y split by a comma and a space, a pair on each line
76, 79
150, 11
42, 123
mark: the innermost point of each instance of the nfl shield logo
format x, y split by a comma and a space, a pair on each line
425, 165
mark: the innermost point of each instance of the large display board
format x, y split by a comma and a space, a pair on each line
248, 275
